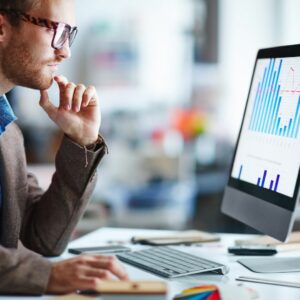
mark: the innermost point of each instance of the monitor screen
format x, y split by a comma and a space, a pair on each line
263, 185
267, 154
269, 147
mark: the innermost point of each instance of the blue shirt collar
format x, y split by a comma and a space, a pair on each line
6, 114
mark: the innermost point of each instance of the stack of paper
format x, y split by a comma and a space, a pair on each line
203, 292
212, 292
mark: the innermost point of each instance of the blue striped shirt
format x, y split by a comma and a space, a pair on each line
6, 117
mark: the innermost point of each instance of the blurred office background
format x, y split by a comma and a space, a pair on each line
173, 77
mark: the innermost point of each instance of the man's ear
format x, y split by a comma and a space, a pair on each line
3, 28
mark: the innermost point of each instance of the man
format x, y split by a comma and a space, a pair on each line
34, 39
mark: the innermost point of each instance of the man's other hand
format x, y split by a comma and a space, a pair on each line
78, 114
83, 273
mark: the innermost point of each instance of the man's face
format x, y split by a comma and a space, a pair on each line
28, 59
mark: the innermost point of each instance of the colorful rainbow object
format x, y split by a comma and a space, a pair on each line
202, 292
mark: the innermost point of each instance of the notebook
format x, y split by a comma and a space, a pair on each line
177, 238
293, 242
124, 290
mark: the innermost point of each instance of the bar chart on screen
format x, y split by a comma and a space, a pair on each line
268, 151
267, 179
276, 105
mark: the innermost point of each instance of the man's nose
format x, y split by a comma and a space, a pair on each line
65, 51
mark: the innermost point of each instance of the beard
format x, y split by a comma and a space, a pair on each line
20, 67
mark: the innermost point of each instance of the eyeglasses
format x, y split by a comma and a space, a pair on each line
62, 31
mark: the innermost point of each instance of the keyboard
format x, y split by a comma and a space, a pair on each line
169, 262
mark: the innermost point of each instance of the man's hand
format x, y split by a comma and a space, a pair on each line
83, 273
78, 114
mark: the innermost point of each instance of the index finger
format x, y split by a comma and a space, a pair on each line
61, 80
111, 264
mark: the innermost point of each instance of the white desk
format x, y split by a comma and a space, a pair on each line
215, 251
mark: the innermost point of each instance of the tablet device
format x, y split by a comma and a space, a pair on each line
99, 249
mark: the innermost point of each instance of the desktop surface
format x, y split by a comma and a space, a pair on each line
216, 251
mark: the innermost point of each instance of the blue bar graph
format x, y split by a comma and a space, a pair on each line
266, 116
261, 182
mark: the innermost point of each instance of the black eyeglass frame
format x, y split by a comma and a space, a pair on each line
71, 31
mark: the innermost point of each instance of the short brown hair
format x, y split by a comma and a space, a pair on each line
21, 5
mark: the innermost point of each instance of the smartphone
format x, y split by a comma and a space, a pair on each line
99, 249
252, 250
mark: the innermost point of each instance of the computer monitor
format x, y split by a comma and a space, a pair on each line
263, 185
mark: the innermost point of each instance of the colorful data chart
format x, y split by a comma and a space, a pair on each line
273, 94
203, 292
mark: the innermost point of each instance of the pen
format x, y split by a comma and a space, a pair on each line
269, 281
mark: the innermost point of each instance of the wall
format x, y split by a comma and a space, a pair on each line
245, 26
